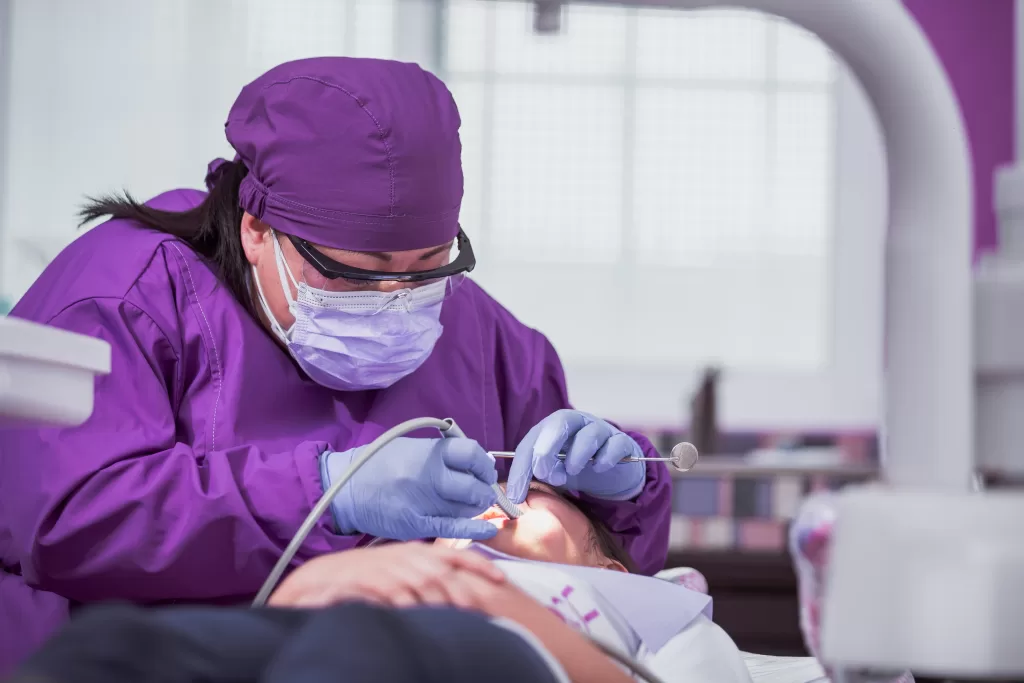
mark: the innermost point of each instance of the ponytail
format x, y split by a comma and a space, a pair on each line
212, 228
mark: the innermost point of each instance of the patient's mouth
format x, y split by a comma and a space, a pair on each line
496, 517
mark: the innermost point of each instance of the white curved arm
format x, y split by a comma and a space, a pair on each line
928, 387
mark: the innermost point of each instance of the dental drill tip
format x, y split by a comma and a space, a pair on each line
684, 456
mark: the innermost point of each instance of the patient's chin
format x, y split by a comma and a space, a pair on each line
538, 540
534, 536
500, 522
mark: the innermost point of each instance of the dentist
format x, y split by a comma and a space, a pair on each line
266, 330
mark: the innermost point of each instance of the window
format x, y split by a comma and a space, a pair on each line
657, 166
126, 94
282, 31
658, 189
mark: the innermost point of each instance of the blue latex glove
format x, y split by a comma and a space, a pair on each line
594, 450
415, 488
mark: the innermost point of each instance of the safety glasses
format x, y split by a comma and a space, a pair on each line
464, 262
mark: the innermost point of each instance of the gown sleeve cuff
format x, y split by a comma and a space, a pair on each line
307, 462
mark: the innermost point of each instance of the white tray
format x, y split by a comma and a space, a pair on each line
47, 375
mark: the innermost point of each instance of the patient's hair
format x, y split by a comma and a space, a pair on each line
601, 541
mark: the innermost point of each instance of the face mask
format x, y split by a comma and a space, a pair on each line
353, 341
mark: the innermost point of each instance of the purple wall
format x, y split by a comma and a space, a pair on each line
975, 41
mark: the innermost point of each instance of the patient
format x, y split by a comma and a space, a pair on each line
571, 566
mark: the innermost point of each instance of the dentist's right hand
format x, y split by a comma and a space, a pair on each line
414, 488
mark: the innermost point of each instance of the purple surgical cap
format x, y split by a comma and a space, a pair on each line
357, 154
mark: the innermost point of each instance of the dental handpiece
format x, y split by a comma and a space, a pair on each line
682, 458
510, 509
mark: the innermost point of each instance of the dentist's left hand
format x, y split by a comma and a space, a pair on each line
593, 464
415, 488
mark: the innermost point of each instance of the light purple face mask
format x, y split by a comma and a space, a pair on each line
353, 341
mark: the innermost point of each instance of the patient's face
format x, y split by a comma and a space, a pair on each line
550, 530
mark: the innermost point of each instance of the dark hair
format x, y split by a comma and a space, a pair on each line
601, 540
212, 228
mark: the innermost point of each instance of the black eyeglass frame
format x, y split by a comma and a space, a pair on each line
465, 262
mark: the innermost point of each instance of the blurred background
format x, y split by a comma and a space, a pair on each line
713, 182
